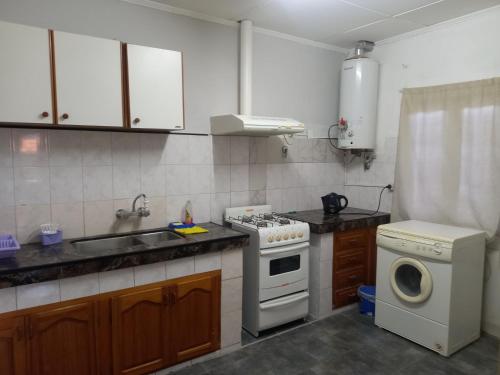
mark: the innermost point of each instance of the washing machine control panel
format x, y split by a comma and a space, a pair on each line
423, 248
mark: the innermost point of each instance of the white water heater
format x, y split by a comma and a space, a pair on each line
358, 103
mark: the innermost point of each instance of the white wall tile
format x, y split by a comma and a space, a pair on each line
240, 198
38, 294
153, 149
258, 150
207, 262
231, 328
31, 185
8, 300
126, 149
153, 180
116, 279
97, 183
240, 150
257, 197
240, 177
6, 187
177, 149
232, 263
177, 179
158, 209
96, 148
326, 274
221, 150
257, 176
221, 179
6, 148
326, 247
325, 302
99, 217
273, 197
274, 176
149, 273
126, 181
65, 148
200, 150
231, 295
132, 223
218, 205
66, 184
70, 218
201, 207
200, 179
175, 207
8, 220
30, 148
28, 220
80, 286
180, 267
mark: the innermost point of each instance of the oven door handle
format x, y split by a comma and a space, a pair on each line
284, 249
284, 301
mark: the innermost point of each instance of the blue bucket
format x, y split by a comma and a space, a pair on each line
366, 295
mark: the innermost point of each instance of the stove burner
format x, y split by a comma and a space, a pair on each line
246, 219
283, 221
268, 216
260, 224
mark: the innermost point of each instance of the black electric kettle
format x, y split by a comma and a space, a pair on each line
332, 203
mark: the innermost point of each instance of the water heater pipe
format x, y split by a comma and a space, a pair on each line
246, 67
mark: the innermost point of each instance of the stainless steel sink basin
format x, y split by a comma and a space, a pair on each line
121, 242
155, 237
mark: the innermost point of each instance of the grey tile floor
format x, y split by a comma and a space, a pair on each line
348, 343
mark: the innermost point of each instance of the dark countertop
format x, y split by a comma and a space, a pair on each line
36, 263
319, 222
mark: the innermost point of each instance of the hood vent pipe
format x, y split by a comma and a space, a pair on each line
246, 47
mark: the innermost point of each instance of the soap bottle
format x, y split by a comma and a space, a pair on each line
188, 213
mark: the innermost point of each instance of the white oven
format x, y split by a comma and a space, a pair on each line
283, 270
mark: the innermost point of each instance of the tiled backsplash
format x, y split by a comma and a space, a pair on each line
80, 178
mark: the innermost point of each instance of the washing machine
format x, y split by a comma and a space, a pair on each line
430, 283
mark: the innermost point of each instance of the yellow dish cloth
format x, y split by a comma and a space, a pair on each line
193, 230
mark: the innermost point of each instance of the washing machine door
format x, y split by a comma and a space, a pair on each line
411, 281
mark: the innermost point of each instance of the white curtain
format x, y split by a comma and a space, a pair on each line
448, 160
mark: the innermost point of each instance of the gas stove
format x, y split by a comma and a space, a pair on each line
274, 230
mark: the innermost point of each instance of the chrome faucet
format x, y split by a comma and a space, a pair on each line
141, 211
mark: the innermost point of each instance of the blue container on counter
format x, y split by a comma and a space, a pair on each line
366, 295
52, 238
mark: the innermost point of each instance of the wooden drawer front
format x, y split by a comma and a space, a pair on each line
350, 259
350, 278
351, 240
345, 296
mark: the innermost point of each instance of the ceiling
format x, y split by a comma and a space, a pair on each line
336, 22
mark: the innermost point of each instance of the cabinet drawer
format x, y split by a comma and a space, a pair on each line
349, 278
351, 240
345, 296
350, 259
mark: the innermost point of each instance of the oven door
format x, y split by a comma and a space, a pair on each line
283, 270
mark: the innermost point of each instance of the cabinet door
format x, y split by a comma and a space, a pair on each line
25, 84
63, 340
88, 80
140, 331
195, 317
12, 347
155, 88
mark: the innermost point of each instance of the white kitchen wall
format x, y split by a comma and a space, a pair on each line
80, 178
452, 52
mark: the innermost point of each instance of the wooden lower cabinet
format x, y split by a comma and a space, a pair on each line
13, 350
62, 340
130, 332
354, 263
195, 318
141, 331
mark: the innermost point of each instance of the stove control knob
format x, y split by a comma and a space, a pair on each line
293, 235
270, 239
278, 237
285, 236
300, 234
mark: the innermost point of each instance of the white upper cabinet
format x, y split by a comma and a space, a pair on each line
25, 85
88, 80
155, 88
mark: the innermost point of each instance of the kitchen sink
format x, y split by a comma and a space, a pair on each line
113, 243
155, 237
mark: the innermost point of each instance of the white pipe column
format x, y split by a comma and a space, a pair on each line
246, 67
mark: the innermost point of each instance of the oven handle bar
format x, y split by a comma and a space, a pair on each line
284, 301
284, 249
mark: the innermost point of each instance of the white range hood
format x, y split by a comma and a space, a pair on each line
244, 123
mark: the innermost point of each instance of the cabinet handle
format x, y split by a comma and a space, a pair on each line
45, 114
137, 120
65, 116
